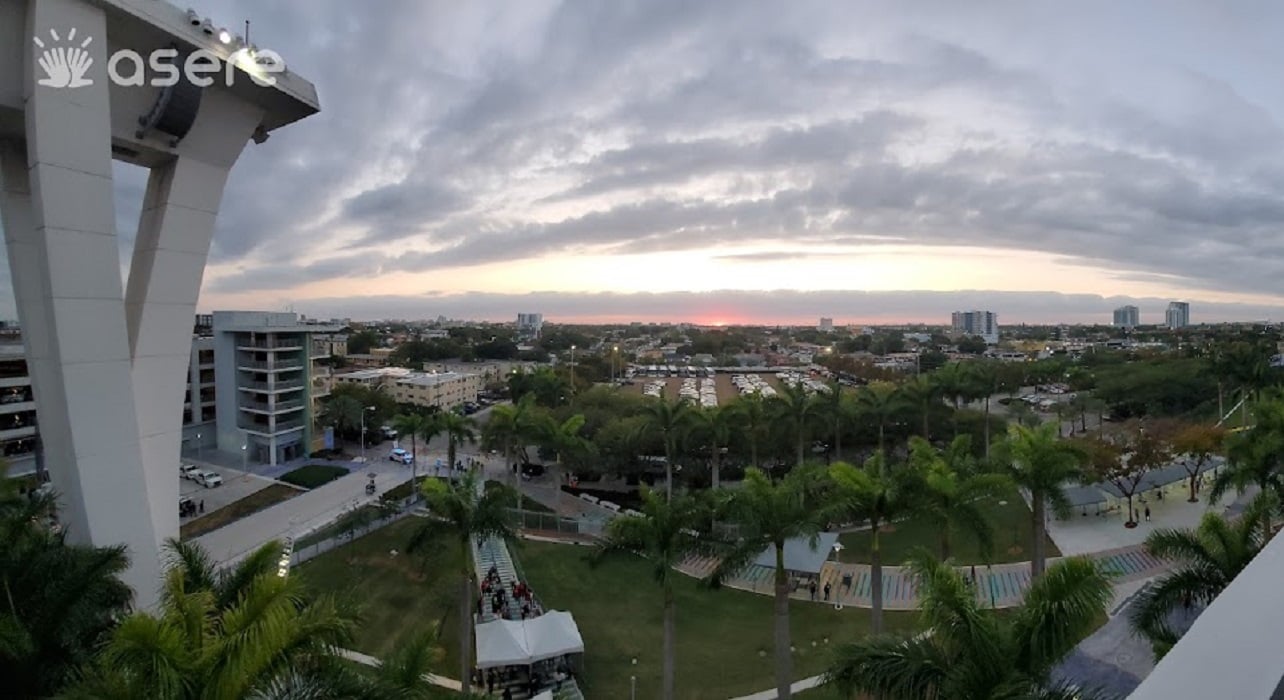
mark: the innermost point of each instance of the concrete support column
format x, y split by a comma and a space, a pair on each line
66, 272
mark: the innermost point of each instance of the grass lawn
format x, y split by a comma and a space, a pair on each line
1011, 522
720, 633
399, 596
311, 476
253, 503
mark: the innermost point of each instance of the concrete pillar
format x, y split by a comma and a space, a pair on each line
67, 282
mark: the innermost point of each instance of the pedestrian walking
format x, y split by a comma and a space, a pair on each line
1147, 513
826, 590
813, 589
202, 506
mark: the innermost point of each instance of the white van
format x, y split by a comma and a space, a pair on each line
209, 479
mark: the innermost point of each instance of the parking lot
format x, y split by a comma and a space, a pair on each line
236, 485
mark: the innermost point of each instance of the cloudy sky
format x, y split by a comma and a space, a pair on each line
738, 161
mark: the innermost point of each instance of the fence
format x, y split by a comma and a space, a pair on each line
304, 552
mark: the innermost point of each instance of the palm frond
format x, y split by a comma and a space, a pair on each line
1061, 608
888, 667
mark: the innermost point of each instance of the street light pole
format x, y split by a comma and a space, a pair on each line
572, 369
615, 350
363, 431
198, 445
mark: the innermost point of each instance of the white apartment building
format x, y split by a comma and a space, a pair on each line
981, 323
444, 390
1177, 315
530, 324
1127, 316
826, 325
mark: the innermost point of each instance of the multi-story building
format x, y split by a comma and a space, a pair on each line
826, 325
19, 434
490, 370
263, 365
444, 390
372, 378
328, 344
1177, 315
1127, 316
530, 324
981, 323
200, 411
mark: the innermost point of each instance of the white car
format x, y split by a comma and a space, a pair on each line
189, 471
400, 455
209, 479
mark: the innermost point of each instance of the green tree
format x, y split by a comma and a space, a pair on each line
666, 534
414, 425
951, 489
879, 401
751, 414
924, 394
716, 427
344, 413
58, 601
464, 511
511, 426
458, 430
668, 420
1197, 443
221, 636
1254, 457
767, 515
879, 495
967, 652
1207, 558
797, 413
1041, 464
837, 407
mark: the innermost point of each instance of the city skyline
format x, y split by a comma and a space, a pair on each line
867, 151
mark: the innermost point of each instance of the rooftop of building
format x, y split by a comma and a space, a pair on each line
376, 373
432, 379
267, 322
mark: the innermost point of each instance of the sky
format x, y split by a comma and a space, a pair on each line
760, 161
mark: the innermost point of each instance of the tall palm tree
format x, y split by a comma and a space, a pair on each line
767, 515
751, 413
197, 645
1207, 559
565, 438
879, 401
835, 405
509, 427
667, 420
923, 393
986, 383
796, 412
968, 652
956, 383
1041, 464
876, 494
458, 430
414, 425
464, 511
1255, 457
665, 535
716, 426
950, 489
58, 601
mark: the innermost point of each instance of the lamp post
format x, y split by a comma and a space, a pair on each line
363, 431
633, 682
198, 445
615, 350
572, 369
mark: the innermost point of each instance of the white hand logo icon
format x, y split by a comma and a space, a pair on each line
65, 66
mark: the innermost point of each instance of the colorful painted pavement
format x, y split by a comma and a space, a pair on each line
1001, 586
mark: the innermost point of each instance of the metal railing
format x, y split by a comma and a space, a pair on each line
278, 407
292, 385
278, 366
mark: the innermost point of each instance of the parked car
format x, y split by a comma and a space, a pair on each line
189, 471
186, 507
400, 455
209, 479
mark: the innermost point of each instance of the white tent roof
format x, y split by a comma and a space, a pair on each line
523, 642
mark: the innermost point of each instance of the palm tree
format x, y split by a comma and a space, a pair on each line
796, 412
967, 652
1255, 457
464, 511
767, 515
668, 420
985, 380
665, 535
414, 425
716, 426
1207, 559
924, 393
200, 645
880, 401
836, 405
509, 427
750, 411
1041, 464
955, 380
58, 601
875, 494
950, 490
458, 430
565, 438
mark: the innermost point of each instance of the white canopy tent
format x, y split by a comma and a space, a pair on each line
524, 642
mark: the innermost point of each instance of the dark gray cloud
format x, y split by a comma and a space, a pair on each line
456, 134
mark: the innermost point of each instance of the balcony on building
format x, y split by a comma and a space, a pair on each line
266, 408
276, 387
286, 344
262, 429
279, 364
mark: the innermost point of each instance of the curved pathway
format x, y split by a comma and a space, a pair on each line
1000, 586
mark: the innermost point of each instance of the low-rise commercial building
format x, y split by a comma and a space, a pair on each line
442, 390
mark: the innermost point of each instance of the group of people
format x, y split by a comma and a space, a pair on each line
543, 674
504, 603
